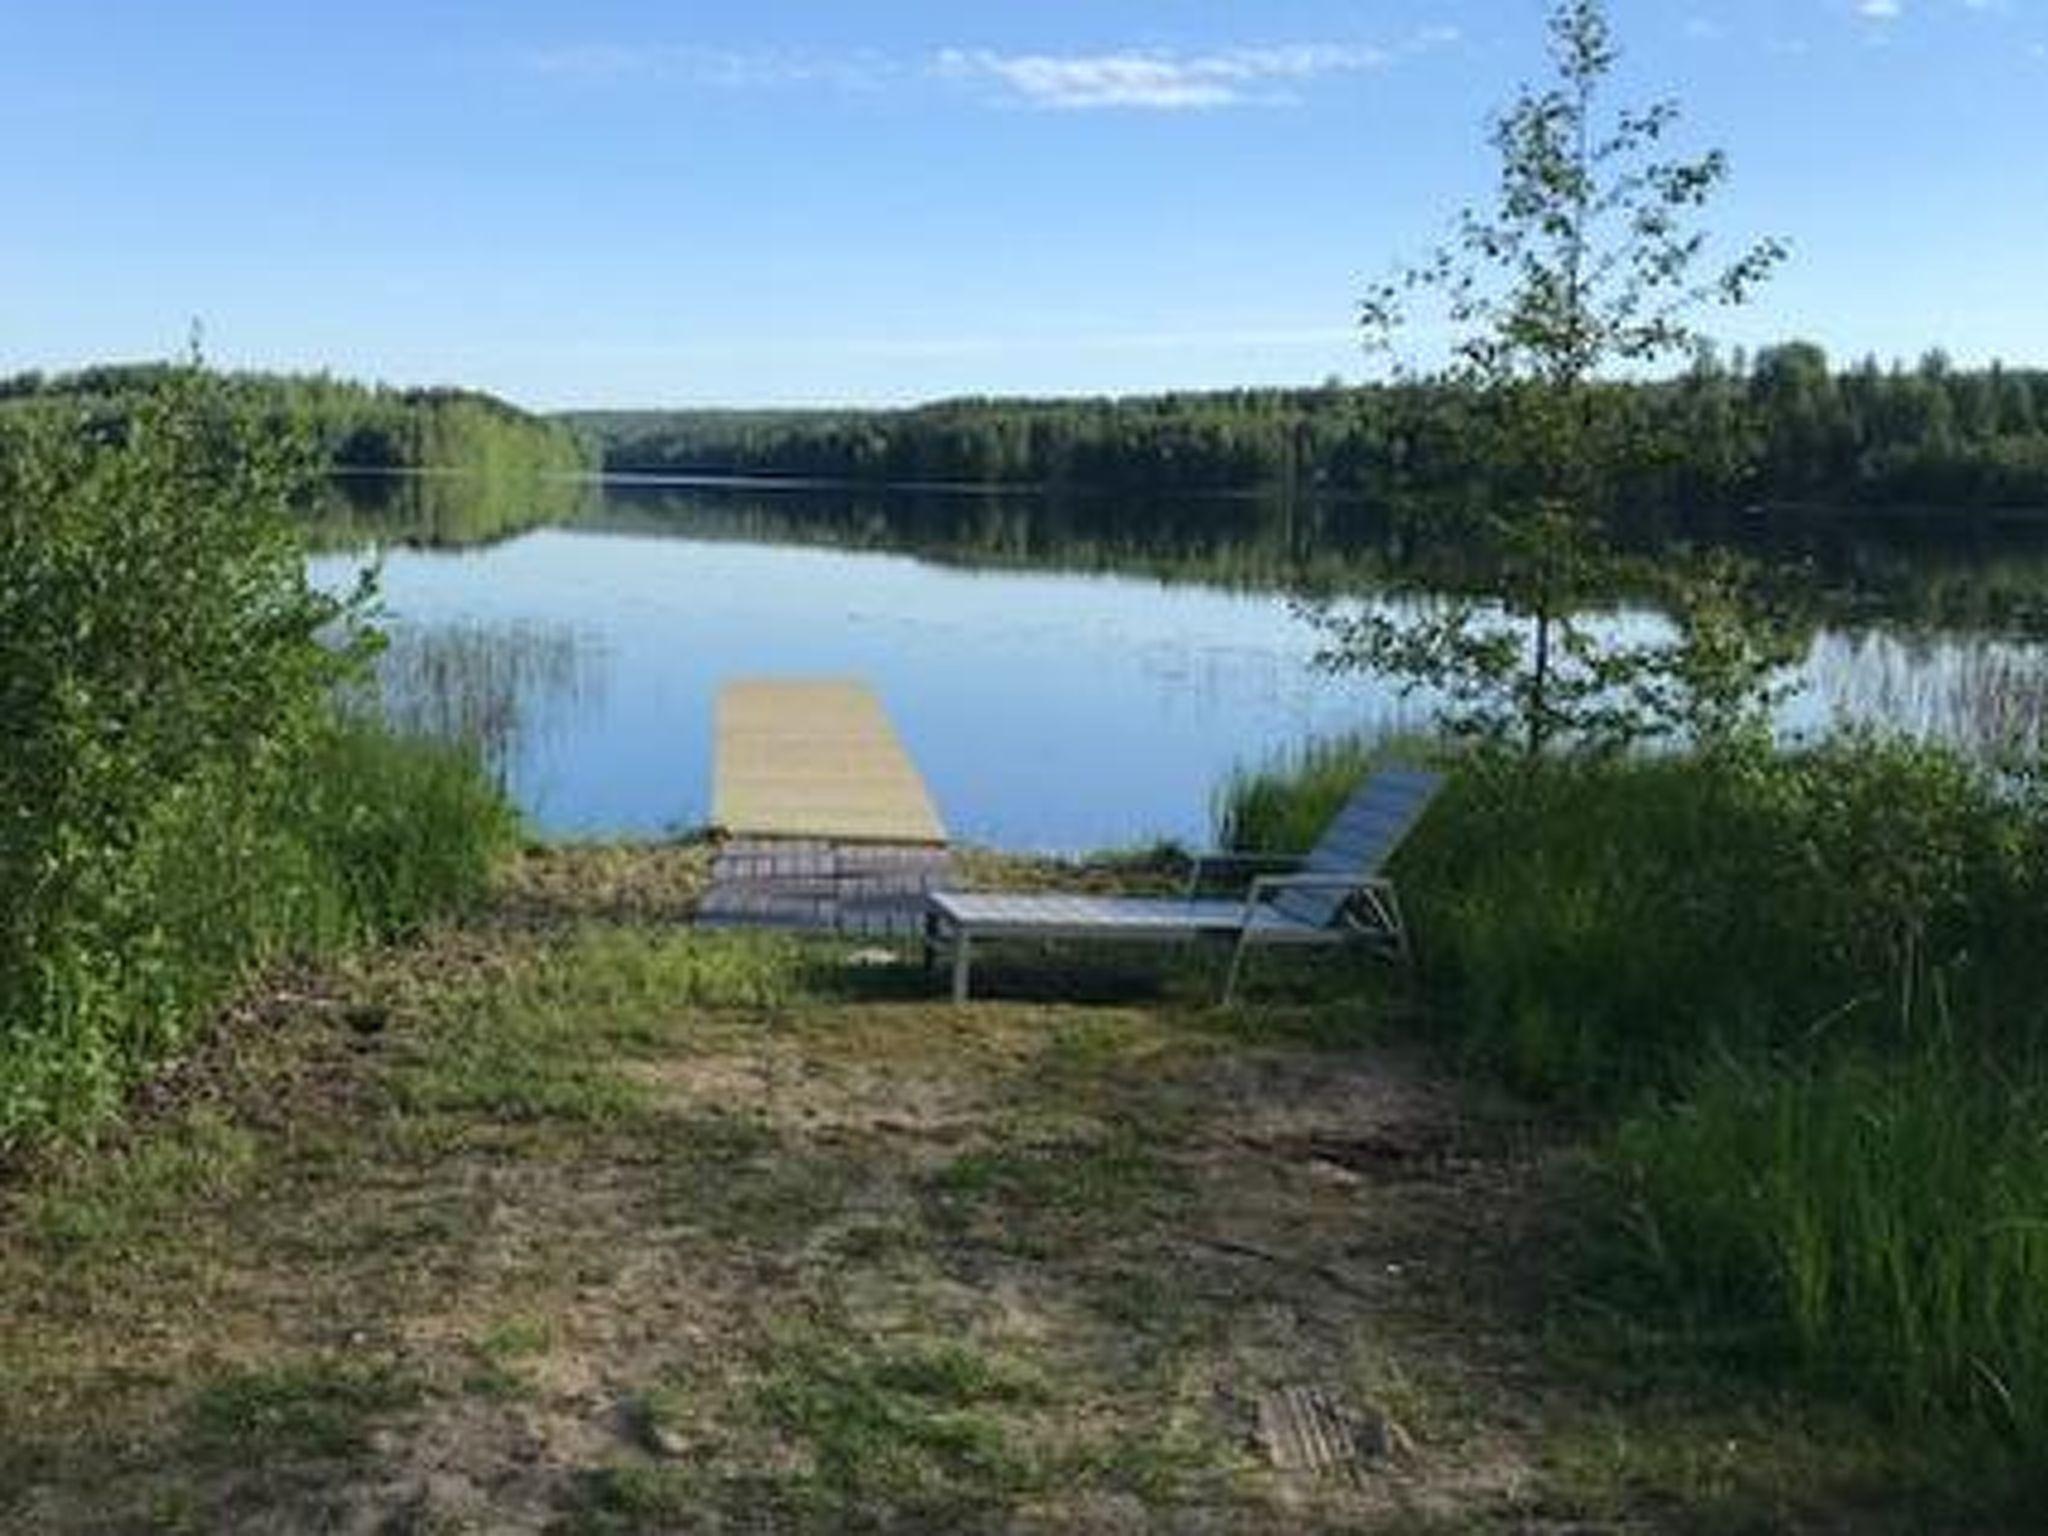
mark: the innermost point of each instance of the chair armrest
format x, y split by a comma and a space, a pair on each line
1200, 862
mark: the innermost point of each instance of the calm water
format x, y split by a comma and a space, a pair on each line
1056, 709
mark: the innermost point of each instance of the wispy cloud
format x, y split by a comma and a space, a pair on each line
1894, 10
718, 68
1160, 80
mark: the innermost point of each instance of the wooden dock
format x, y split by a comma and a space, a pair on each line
828, 825
815, 759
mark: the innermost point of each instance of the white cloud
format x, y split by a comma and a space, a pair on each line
585, 59
722, 68
1095, 80
1880, 10
1164, 81
1146, 79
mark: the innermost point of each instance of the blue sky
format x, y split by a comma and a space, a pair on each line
626, 202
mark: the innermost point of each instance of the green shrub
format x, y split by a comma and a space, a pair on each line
179, 801
1807, 987
1599, 926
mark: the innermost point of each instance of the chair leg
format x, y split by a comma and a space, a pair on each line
1236, 966
963, 948
1397, 926
1384, 907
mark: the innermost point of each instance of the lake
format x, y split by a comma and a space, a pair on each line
1066, 678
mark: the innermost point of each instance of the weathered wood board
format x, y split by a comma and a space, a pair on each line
815, 758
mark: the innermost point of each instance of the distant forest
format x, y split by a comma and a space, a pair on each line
1781, 427
357, 427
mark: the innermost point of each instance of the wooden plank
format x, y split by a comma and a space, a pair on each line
1305, 1430
815, 759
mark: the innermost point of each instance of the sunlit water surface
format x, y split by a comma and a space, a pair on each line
1062, 711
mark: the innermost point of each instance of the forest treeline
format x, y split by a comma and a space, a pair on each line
1782, 425
355, 427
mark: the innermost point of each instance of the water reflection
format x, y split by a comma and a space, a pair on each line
1256, 543
1935, 570
443, 511
1067, 675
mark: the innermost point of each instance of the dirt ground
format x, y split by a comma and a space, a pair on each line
569, 1218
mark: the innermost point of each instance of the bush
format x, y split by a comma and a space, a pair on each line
1807, 988
178, 801
1602, 926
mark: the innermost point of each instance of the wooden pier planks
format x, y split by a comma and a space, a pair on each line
817, 759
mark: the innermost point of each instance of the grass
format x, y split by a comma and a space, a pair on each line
1883, 1220
373, 837
903, 1432
1283, 805
553, 1221
400, 830
503, 1352
1797, 998
1044, 1198
126, 1197
300, 1411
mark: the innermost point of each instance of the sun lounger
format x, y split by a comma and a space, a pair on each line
1335, 894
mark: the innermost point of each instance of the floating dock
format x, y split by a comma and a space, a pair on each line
815, 759
828, 826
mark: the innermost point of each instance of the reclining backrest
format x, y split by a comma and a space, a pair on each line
1361, 838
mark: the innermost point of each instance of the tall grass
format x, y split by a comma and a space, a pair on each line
1880, 1218
399, 829
1804, 992
1986, 696
1600, 925
1283, 805
372, 836
488, 687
